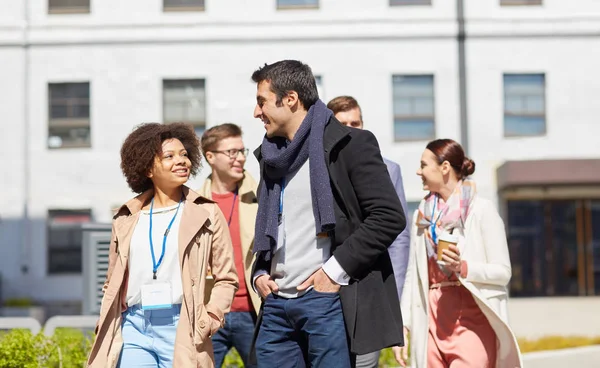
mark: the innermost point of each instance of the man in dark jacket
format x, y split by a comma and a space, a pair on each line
327, 213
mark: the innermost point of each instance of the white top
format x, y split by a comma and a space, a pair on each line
140, 259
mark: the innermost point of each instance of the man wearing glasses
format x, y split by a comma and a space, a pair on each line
234, 190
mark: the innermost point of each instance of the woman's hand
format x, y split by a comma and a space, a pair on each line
401, 352
451, 257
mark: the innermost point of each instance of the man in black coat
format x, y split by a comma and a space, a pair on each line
327, 213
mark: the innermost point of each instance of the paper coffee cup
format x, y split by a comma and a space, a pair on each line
444, 242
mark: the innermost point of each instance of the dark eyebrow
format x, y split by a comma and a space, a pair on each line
260, 99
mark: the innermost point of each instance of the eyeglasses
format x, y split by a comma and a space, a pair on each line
234, 152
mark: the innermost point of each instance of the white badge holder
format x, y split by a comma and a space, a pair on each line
156, 295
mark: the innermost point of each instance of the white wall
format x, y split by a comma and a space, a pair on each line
126, 48
12, 151
571, 94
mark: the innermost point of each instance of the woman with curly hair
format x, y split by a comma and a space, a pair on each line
454, 302
163, 243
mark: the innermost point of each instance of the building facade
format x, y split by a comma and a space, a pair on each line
513, 80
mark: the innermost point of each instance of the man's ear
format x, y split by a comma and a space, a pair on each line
210, 157
292, 99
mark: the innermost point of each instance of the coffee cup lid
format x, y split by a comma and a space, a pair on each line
450, 238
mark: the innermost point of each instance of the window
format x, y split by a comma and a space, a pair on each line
184, 100
65, 239
294, 4
409, 2
68, 6
319, 82
69, 115
524, 105
183, 5
413, 107
412, 206
520, 2
554, 247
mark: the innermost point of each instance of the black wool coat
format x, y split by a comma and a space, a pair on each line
369, 217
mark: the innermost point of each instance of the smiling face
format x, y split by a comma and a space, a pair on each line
275, 117
351, 118
171, 167
431, 172
226, 168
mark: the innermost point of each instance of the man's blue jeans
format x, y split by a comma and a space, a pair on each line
237, 332
304, 331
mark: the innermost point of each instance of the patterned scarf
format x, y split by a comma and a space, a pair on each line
444, 216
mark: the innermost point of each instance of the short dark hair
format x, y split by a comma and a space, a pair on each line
451, 151
212, 136
144, 144
289, 75
343, 104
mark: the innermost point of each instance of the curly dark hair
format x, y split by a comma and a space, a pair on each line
144, 144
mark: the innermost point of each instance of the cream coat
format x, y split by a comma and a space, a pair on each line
483, 246
203, 239
247, 210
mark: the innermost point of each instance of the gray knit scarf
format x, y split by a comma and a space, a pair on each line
281, 158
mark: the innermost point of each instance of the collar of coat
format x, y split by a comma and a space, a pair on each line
246, 188
193, 218
135, 205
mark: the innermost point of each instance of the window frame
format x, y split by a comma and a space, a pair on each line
414, 117
195, 124
73, 227
183, 8
319, 84
393, 3
298, 6
83, 9
505, 113
67, 122
521, 2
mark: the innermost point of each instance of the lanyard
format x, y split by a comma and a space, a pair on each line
434, 221
164, 244
235, 194
281, 199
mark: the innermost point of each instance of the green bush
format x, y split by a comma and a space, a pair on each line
556, 342
72, 347
233, 360
67, 348
18, 302
21, 349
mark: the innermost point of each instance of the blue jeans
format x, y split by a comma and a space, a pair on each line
237, 332
304, 331
149, 337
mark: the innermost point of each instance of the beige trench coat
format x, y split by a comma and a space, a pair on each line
247, 210
204, 242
